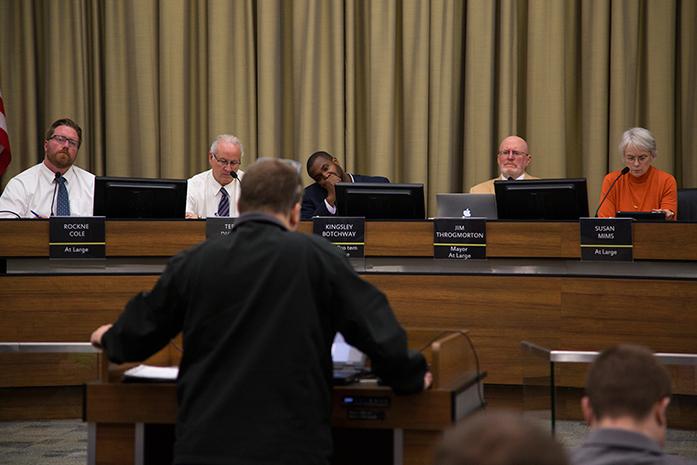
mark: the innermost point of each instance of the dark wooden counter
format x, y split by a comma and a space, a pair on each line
565, 311
652, 241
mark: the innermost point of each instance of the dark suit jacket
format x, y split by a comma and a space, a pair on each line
314, 195
255, 378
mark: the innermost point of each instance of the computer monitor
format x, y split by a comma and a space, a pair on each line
381, 201
542, 199
139, 197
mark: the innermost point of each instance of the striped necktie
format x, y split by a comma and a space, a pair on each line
62, 200
224, 205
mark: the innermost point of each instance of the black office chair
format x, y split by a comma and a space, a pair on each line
687, 204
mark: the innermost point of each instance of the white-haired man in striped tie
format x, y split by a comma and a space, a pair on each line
214, 193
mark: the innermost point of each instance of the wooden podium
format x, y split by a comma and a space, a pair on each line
131, 423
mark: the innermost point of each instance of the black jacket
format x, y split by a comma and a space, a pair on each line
314, 195
258, 311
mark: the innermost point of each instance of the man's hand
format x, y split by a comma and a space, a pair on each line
428, 380
191, 216
96, 337
328, 184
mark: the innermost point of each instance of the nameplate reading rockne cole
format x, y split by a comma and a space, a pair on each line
459, 238
76, 237
606, 239
345, 232
219, 227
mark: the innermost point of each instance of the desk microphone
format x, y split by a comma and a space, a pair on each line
234, 174
55, 180
624, 171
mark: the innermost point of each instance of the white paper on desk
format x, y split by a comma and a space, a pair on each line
152, 372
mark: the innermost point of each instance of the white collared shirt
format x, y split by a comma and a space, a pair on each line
203, 194
31, 193
332, 208
519, 178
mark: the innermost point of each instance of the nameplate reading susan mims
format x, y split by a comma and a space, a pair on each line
608, 239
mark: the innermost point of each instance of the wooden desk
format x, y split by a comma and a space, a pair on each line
501, 308
652, 241
118, 414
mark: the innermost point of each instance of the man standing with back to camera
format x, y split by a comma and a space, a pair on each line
258, 312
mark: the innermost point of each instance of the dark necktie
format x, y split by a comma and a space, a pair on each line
224, 205
62, 200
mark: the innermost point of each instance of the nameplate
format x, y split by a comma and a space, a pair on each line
345, 232
606, 239
219, 227
459, 238
76, 237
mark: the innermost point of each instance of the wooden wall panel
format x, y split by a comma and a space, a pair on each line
115, 444
35, 369
652, 241
63, 308
498, 312
41, 403
660, 314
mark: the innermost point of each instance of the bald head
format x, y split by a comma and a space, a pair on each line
513, 157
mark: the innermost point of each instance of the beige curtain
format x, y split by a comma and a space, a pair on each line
416, 90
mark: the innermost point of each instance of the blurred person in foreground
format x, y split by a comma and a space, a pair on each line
627, 395
499, 438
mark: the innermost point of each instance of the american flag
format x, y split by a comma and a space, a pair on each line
5, 156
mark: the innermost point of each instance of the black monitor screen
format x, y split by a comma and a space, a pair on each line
380, 201
139, 198
542, 199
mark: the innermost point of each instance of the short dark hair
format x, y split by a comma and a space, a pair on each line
270, 185
315, 156
499, 438
65, 122
626, 380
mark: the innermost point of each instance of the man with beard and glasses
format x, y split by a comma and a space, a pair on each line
54, 187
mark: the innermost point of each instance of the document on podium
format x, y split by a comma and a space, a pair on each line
149, 373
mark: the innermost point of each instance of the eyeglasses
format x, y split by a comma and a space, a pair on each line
62, 140
225, 163
515, 153
632, 159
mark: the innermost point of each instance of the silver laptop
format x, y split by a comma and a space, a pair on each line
466, 206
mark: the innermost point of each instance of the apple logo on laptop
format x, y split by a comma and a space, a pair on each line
466, 213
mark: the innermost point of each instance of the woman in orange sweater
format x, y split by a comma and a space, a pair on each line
646, 188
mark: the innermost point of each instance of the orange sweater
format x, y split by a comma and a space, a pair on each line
655, 189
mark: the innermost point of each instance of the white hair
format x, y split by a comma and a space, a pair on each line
640, 138
230, 139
